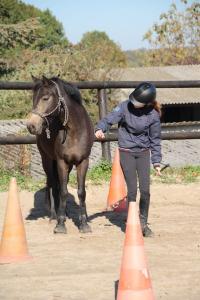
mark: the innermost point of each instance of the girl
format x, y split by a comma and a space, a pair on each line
139, 134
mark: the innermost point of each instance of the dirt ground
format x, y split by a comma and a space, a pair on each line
86, 267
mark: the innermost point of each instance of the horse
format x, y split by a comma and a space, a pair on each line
64, 137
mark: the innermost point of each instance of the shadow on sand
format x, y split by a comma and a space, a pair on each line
72, 212
115, 218
39, 209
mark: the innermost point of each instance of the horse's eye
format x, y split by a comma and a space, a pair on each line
45, 98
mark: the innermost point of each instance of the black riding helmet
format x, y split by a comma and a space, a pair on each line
144, 93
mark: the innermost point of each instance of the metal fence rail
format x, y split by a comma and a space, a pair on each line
5, 85
169, 132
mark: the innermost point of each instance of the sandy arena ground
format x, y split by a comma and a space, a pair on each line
86, 267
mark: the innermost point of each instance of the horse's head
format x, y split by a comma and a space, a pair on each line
46, 105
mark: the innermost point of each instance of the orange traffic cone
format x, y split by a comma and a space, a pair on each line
13, 247
117, 191
135, 282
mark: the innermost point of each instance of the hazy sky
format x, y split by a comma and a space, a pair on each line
125, 21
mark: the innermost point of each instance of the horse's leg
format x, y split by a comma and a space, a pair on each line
50, 202
63, 174
55, 188
51, 195
81, 175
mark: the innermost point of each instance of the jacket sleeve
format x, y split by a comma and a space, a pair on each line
155, 140
112, 118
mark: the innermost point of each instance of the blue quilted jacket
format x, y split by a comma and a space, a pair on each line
138, 128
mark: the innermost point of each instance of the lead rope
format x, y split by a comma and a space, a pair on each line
62, 101
66, 112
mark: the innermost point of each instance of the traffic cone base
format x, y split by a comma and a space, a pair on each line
120, 206
13, 259
13, 247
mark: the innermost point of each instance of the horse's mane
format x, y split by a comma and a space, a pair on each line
70, 89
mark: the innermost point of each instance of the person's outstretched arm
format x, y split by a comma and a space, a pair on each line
112, 118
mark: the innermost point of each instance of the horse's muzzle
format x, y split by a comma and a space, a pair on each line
32, 128
35, 125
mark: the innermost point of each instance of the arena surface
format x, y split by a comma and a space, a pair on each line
86, 267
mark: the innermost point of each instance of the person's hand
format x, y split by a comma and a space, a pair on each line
158, 170
99, 134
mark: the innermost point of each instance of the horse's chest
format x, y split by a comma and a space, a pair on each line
46, 147
70, 150
70, 154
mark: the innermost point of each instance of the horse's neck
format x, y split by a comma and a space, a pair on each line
71, 112
55, 124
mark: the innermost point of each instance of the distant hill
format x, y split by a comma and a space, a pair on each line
136, 58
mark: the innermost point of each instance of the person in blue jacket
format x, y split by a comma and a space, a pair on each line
139, 135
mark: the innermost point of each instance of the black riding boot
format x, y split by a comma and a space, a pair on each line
144, 210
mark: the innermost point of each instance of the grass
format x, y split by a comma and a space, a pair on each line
24, 182
99, 174
96, 175
183, 175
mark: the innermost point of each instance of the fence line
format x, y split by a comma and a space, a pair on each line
167, 133
16, 85
101, 86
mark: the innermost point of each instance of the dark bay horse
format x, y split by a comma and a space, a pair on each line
64, 134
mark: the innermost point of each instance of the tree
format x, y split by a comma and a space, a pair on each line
72, 63
21, 35
18, 17
176, 39
53, 31
101, 53
14, 11
25, 27
36, 45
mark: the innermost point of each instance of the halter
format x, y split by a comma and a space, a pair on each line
61, 102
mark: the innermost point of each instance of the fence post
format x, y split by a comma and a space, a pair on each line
102, 102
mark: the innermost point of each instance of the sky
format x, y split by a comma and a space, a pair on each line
124, 21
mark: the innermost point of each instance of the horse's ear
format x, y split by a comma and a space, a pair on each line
35, 79
46, 81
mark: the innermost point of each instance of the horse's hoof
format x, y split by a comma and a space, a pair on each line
85, 228
53, 216
60, 229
